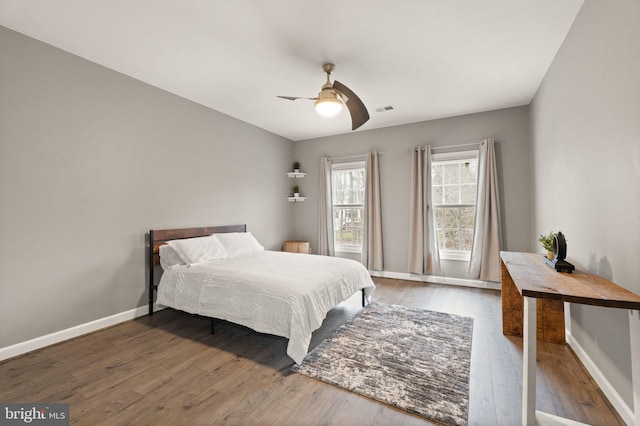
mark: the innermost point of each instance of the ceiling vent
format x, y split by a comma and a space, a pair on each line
384, 108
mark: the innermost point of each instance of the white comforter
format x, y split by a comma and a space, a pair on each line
285, 294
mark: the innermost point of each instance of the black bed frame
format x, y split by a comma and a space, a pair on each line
158, 237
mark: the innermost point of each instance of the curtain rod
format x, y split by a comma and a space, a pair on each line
354, 156
462, 145
454, 146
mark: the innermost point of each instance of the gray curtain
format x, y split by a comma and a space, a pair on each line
325, 211
372, 256
485, 252
423, 242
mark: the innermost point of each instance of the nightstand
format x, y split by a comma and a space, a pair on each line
296, 246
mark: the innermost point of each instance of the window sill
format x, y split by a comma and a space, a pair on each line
357, 250
459, 255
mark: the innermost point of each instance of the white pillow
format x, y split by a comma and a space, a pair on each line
169, 257
239, 243
199, 250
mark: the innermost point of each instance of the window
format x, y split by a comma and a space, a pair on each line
454, 183
348, 206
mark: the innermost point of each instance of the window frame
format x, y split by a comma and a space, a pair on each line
450, 157
351, 165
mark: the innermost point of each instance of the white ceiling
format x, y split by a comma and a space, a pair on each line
427, 58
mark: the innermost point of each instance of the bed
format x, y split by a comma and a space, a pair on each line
234, 279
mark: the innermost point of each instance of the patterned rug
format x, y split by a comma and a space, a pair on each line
412, 359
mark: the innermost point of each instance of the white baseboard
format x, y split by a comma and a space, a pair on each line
437, 280
609, 391
69, 333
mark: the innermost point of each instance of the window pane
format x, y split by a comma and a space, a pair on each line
468, 194
469, 172
436, 174
467, 217
348, 186
451, 175
452, 194
348, 225
455, 227
467, 239
451, 218
437, 194
439, 216
451, 239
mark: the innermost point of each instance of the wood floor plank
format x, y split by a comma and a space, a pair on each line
188, 389
104, 408
23, 365
13, 388
481, 398
506, 357
169, 370
508, 405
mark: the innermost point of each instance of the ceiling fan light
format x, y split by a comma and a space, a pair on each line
328, 108
328, 103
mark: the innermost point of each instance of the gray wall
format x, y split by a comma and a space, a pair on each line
585, 129
510, 126
90, 160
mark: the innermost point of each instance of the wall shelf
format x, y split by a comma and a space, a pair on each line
296, 174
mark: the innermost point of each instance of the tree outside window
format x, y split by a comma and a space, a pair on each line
454, 187
348, 206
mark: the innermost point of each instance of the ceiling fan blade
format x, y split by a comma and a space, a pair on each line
359, 113
293, 98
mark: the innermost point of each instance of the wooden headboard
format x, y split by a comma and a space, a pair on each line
158, 237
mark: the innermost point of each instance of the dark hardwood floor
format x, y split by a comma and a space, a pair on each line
168, 369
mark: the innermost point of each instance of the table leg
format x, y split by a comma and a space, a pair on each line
634, 331
529, 363
531, 417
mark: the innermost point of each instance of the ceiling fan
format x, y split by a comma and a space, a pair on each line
331, 98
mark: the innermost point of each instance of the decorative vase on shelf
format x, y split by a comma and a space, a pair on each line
297, 194
296, 170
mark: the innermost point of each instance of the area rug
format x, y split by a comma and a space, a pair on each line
413, 359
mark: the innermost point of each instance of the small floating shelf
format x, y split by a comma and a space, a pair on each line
296, 174
296, 199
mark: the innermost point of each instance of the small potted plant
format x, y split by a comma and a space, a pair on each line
296, 191
547, 243
296, 167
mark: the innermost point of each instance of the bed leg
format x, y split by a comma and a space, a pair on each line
364, 300
150, 260
212, 326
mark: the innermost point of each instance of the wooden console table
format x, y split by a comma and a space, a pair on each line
527, 277
550, 313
